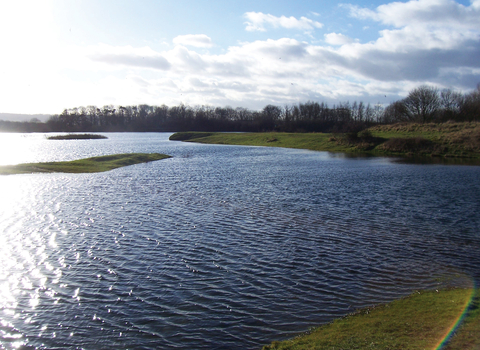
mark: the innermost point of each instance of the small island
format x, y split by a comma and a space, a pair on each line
77, 137
87, 165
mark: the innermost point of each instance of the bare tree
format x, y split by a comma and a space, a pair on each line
422, 103
470, 105
451, 102
394, 113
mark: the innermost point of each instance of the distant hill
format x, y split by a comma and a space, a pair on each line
23, 117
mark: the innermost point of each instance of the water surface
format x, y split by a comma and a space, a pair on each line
219, 247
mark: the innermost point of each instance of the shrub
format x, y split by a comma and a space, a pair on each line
408, 145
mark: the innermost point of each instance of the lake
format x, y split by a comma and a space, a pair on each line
219, 247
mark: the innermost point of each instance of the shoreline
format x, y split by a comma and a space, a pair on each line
447, 319
443, 143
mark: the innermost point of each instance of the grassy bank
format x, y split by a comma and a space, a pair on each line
311, 141
453, 140
88, 165
447, 140
420, 321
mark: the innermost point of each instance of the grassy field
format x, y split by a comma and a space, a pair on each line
421, 321
311, 141
447, 140
88, 165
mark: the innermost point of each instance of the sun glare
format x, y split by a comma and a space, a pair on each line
27, 33
12, 150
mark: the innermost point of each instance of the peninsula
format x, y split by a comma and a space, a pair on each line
87, 165
440, 140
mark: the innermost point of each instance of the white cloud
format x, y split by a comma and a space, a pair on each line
421, 13
139, 81
129, 56
337, 39
430, 38
154, 62
257, 21
195, 40
406, 53
185, 60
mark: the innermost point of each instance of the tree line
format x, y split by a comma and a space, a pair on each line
426, 104
423, 104
308, 116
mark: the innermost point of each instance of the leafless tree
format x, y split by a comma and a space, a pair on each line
422, 103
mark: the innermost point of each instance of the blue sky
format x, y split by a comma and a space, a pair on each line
60, 54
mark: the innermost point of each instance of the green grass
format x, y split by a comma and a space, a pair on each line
420, 321
454, 140
467, 336
447, 140
77, 137
311, 141
88, 165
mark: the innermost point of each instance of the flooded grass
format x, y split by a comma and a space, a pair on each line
77, 137
87, 165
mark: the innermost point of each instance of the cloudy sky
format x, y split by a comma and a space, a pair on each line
60, 54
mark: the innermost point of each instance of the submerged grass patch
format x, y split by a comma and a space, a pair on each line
185, 136
87, 165
77, 137
420, 321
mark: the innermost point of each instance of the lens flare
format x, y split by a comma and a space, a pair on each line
458, 321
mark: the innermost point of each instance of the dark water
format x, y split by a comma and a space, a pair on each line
220, 247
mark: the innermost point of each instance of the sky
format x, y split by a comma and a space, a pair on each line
57, 54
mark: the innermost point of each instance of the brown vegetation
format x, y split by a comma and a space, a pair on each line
469, 138
450, 139
416, 145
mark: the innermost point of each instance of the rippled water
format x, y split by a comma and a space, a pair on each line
219, 247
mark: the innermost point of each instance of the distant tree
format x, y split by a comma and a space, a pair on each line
421, 104
369, 114
160, 116
377, 112
450, 102
395, 112
470, 105
343, 112
269, 117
